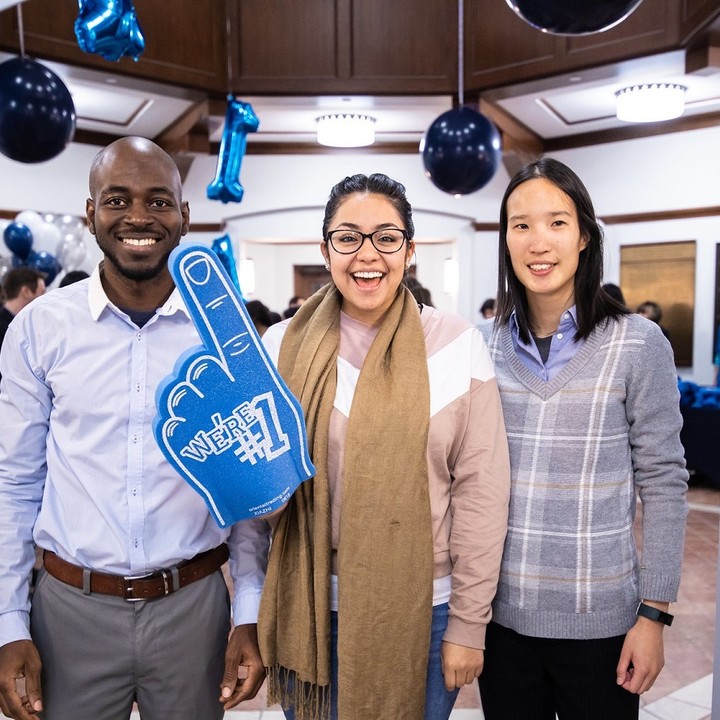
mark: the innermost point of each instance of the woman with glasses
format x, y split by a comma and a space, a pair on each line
591, 405
383, 567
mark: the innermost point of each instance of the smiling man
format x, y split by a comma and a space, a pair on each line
131, 605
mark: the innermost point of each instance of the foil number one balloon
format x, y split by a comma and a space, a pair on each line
240, 119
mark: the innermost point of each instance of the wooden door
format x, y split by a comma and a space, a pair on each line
664, 273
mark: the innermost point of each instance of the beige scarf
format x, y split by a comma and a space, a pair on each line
385, 557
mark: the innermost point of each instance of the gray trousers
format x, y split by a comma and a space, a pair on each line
101, 653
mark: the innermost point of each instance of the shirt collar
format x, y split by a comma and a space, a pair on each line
568, 323
98, 300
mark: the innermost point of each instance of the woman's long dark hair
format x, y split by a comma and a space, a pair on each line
593, 304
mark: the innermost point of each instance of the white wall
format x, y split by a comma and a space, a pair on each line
285, 195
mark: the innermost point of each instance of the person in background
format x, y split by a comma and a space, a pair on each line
382, 568
72, 277
131, 604
615, 292
487, 309
20, 287
652, 311
591, 406
419, 291
293, 306
260, 315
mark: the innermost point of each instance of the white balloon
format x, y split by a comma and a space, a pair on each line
46, 238
32, 219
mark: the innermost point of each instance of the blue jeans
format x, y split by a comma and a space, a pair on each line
438, 701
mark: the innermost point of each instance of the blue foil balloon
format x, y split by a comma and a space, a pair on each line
561, 17
222, 247
37, 113
109, 28
19, 240
240, 119
461, 151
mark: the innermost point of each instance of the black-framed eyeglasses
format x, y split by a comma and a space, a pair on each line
387, 241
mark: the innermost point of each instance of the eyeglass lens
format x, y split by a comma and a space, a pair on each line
389, 240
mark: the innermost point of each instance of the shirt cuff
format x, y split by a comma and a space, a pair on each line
460, 632
14, 625
246, 606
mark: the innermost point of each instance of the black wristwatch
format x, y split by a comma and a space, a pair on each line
651, 613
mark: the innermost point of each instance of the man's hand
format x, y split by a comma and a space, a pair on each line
642, 657
244, 669
20, 694
461, 665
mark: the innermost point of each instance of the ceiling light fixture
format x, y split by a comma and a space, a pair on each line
345, 130
650, 102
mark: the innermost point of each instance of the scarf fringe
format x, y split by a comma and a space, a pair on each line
309, 701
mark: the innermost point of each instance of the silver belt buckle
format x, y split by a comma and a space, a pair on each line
129, 587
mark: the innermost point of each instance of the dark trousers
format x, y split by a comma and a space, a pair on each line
528, 678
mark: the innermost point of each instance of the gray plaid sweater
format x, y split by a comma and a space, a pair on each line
581, 446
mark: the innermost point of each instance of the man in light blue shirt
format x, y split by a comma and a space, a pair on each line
131, 605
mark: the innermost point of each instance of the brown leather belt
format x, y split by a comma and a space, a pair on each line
137, 587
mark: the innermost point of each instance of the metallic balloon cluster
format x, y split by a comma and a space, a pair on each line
47, 243
109, 28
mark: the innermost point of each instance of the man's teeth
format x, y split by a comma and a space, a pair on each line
543, 266
367, 275
139, 242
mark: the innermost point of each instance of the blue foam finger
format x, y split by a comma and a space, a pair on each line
240, 119
226, 420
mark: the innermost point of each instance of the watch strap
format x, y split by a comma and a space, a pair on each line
651, 613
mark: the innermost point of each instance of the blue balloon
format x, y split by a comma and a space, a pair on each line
461, 151
46, 263
37, 113
19, 240
561, 17
240, 119
109, 28
222, 247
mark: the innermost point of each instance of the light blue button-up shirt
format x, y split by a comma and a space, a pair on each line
80, 471
562, 346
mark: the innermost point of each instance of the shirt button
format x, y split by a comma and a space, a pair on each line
559, 336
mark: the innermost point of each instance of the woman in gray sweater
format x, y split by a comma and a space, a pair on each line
591, 407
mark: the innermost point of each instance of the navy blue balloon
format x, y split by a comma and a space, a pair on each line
461, 151
569, 17
37, 113
19, 240
45, 263
109, 28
